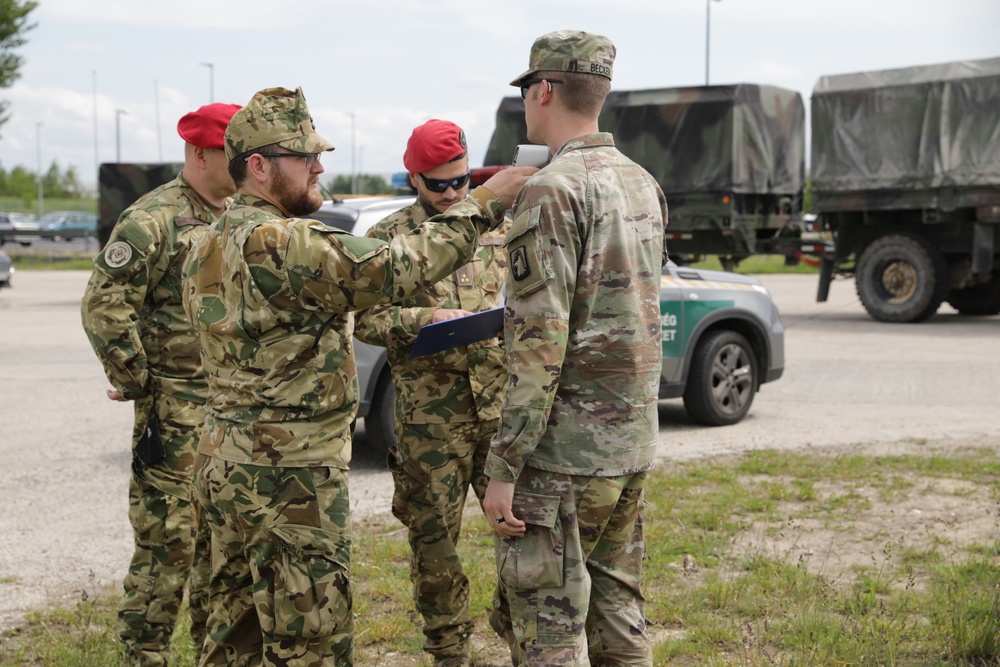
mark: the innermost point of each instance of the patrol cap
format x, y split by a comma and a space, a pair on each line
274, 116
206, 127
433, 144
570, 51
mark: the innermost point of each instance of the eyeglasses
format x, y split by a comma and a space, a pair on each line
311, 159
527, 83
442, 185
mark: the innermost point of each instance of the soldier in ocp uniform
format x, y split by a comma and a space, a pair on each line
134, 317
447, 403
578, 429
273, 295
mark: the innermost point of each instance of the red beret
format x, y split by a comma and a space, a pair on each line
433, 144
206, 127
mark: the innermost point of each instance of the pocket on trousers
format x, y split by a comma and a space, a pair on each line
312, 595
536, 559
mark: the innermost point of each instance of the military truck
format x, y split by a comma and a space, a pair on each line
730, 159
905, 170
119, 184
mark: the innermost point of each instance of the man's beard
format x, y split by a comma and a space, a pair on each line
295, 204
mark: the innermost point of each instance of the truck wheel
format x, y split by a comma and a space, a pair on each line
380, 423
901, 278
722, 380
978, 300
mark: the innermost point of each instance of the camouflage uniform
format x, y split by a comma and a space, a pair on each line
133, 315
273, 298
579, 425
447, 409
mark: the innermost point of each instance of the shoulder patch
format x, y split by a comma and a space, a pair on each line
117, 254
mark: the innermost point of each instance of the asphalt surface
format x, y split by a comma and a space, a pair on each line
848, 381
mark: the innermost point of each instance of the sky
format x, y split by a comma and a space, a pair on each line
109, 78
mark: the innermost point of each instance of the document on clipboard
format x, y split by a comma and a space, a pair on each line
457, 332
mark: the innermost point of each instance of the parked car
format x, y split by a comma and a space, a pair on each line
377, 395
18, 228
722, 337
68, 225
6, 269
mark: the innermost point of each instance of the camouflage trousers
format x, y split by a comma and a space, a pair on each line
171, 540
573, 580
433, 466
281, 544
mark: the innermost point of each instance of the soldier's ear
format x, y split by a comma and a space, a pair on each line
258, 168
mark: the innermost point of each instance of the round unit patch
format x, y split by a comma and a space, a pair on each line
118, 254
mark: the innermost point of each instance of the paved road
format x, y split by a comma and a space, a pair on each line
848, 380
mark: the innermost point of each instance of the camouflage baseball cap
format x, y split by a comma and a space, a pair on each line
274, 116
570, 51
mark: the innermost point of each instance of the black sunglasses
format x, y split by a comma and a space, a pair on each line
442, 185
527, 83
310, 158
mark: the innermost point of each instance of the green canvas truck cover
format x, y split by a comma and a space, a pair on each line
742, 138
915, 128
121, 183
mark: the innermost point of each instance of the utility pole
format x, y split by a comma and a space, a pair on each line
708, 25
211, 81
38, 148
118, 134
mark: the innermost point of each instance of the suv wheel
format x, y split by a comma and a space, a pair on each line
380, 426
722, 379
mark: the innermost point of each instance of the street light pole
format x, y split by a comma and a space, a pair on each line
38, 149
708, 25
211, 81
118, 134
354, 175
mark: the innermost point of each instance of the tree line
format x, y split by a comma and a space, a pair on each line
56, 182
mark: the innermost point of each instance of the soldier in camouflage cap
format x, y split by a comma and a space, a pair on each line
447, 403
134, 316
272, 295
578, 429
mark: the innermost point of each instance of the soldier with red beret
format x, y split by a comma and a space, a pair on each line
134, 317
447, 403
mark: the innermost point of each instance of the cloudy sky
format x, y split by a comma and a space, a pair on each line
104, 76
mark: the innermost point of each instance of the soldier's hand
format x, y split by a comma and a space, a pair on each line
497, 505
506, 183
442, 314
116, 395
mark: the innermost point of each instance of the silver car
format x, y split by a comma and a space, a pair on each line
722, 337
377, 395
6, 269
18, 228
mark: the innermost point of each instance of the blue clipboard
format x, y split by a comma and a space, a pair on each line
457, 332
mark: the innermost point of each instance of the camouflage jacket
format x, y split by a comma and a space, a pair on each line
273, 300
133, 310
582, 321
457, 385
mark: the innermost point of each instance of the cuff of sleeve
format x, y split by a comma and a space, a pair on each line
498, 469
488, 201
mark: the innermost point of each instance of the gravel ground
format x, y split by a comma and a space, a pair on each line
849, 383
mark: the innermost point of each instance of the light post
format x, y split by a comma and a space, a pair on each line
38, 149
118, 134
354, 177
211, 81
708, 26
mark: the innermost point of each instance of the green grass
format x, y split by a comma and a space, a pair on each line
728, 580
86, 204
760, 264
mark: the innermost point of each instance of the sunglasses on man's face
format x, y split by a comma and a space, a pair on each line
528, 83
310, 159
442, 185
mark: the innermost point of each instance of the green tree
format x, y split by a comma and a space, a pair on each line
13, 25
366, 184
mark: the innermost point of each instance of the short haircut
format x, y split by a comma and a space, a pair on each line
238, 165
581, 93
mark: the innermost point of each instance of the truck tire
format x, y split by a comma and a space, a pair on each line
978, 300
722, 380
380, 428
901, 278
